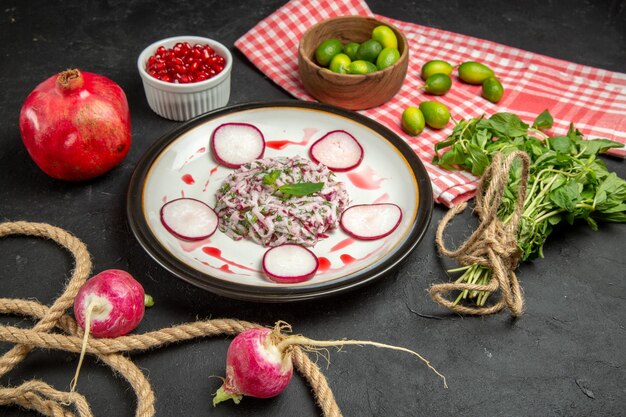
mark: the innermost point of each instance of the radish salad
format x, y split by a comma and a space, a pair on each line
280, 200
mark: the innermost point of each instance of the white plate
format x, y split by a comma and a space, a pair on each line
181, 165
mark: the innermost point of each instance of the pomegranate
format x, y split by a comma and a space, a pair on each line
76, 125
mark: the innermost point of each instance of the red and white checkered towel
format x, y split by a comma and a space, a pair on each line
593, 99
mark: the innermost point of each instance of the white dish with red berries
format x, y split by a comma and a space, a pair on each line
198, 82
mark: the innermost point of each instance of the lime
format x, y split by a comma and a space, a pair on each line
492, 89
387, 57
369, 50
436, 114
474, 72
350, 49
385, 36
361, 67
327, 50
413, 121
340, 63
438, 84
436, 66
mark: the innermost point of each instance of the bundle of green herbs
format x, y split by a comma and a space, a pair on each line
567, 181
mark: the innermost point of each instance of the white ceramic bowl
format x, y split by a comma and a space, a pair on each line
185, 101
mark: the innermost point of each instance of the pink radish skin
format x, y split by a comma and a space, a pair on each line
289, 263
259, 364
189, 219
370, 221
338, 150
254, 367
118, 303
235, 144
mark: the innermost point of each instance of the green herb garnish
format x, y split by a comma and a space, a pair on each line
298, 189
301, 189
567, 181
270, 179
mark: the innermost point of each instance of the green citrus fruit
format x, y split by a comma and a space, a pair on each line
438, 84
361, 67
436, 66
413, 121
387, 57
350, 49
385, 36
492, 89
436, 114
340, 63
474, 72
327, 50
369, 50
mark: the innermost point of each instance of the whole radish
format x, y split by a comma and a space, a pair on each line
254, 367
110, 304
76, 125
113, 301
258, 361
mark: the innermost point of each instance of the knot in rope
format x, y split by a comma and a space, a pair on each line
39, 396
493, 244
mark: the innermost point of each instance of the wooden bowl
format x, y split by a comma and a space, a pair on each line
350, 91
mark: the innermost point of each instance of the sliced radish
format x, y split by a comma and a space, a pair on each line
235, 144
370, 221
289, 263
189, 219
338, 150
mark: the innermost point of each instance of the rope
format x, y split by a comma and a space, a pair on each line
38, 396
493, 244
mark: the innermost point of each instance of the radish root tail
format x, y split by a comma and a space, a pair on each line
90, 309
284, 343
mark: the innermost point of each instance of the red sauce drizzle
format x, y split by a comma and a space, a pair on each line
190, 158
188, 179
365, 179
280, 144
347, 259
342, 244
190, 246
225, 268
383, 198
324, 264
206, 183
217, 254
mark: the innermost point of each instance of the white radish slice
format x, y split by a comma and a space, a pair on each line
235, 144
338, 150
289, 263
370, 221
189, 219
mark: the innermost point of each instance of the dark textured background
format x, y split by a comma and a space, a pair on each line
574, 327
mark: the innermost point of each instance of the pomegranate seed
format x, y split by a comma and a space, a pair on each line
185, 63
